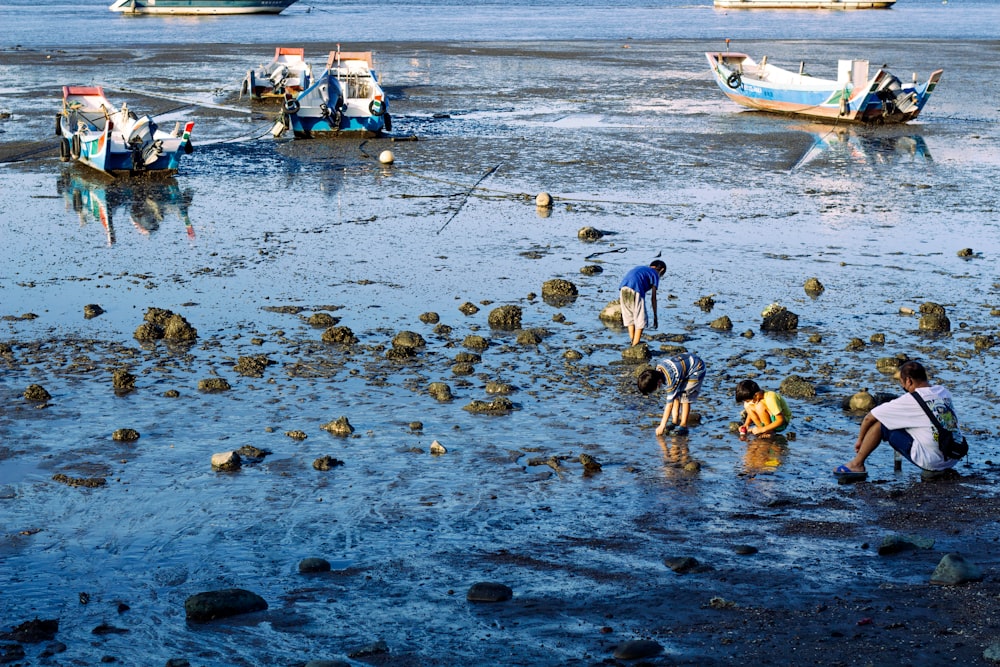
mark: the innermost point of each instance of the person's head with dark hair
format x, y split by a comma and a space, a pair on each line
746, 390
649, 381
912, 370
659, 266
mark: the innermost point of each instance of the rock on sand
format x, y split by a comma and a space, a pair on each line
210, 605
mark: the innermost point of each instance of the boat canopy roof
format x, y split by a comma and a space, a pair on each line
288, 54
337, 57
86, 97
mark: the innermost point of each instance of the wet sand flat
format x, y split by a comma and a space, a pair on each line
256, 238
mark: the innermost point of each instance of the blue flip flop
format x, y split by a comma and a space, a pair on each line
845, 474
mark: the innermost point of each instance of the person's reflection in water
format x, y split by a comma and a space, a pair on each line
764, 454
675, 454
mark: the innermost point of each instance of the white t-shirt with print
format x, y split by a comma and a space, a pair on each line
904, 412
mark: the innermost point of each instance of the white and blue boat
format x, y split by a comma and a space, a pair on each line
855, 96
209, 7
116, 141
345, 98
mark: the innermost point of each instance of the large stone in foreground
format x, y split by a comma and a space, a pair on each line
612, 314
489, 591
637, 649
210, 605
954, 569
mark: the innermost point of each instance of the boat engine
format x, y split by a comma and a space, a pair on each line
139, 137
278, 76
894, 98
152, 152
139, 130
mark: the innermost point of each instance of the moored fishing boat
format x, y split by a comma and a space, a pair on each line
804, 4
854, 96
201, 6
345, 98
116, 141
288, 72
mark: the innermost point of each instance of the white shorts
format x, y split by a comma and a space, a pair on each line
633, 308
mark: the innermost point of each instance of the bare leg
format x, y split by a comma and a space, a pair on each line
758, 414
674, 406
636, 333
685, 411
868, 440
631, 333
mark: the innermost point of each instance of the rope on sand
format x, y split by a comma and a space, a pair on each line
466, 198
504, 194
42, 146
183, 102
608, 252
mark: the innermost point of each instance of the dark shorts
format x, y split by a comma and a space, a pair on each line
900, 440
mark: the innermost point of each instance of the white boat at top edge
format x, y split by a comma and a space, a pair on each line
210, 7
804, 4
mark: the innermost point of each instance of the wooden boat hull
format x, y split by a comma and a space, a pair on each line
115, 141
196, 7
804, 4
345, 99
853, 97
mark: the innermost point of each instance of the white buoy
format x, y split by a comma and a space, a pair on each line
386, 157
543, 200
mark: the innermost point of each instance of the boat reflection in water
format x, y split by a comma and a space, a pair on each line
149, 202
872, 147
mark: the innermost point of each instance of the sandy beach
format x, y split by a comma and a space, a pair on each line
268, 248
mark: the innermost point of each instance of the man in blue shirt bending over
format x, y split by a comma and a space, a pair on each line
633, 290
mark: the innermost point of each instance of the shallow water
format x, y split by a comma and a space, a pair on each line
90, 23
741, 206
